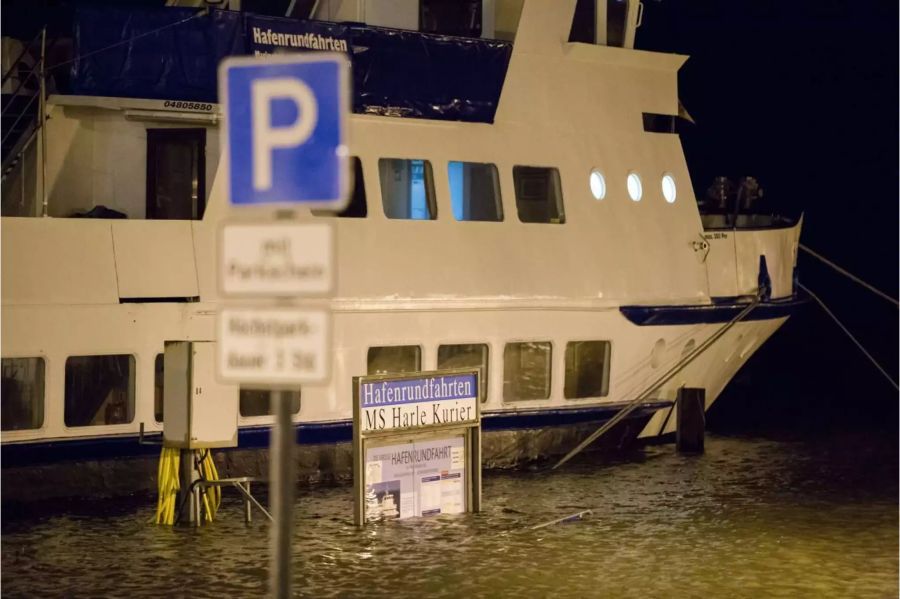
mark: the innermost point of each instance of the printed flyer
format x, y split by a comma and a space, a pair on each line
425, 478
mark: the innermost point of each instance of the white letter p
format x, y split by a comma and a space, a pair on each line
266, 137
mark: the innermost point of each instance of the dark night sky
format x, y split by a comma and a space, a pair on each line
802, 94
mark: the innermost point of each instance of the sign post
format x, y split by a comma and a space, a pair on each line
416, 445
285, 146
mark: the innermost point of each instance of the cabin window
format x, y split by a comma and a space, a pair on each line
99, 390
258, 402
475, 191
357, 208
616, 22
584, 22
635, 189
158, 386
466, 355
394, 359
538, 194
22, 394
407, 189
587, 369
176, 173
668, 188
526, 370
451, 17
598, 184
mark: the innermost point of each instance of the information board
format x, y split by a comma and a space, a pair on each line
416, 445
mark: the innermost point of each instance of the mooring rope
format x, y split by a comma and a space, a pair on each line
849, 334
849, 275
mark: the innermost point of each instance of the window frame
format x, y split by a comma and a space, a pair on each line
485, 375
550, 377
420, 358
43, 401
560, 207
133, 390
607, 369
498, 196
431, 202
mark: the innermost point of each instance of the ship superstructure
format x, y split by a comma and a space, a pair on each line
543, 227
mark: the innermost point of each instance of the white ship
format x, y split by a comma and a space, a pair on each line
559, 245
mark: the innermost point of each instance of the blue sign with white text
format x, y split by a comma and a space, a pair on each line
285, 124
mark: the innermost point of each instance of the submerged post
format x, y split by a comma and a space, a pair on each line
281, 494
691, 420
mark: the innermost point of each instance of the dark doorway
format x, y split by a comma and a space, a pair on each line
176, 173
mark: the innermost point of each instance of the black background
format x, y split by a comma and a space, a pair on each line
803, 95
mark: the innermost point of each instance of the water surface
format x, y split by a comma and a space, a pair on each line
752, 517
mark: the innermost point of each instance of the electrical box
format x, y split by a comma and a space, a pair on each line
198, 411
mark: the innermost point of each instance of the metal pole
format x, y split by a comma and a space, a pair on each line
281, 496
43, 120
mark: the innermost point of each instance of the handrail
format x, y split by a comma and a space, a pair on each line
16, 122
662, 380
25, 49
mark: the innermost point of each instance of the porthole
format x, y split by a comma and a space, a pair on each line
668, 188
635, 189
598, 185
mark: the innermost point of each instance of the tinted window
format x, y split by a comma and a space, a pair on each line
22, 393
475, 191
538, 194
526, 371
469, 355
158, 378
407, 189
587, 369
258, 402
394, 359
99, 390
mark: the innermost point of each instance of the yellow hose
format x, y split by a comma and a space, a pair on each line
169, 485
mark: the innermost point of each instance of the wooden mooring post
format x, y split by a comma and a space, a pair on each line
691, 421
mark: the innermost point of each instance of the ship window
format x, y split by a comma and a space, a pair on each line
467, 355
357, 207
635, 189
584, 22
587, 369
538, 194
668, 188
598, 184
158, 386
257, 402
616, 22
99, 390
407, 189
22, 394
526, 371
475, 191
451, 17
394, 359
176, 173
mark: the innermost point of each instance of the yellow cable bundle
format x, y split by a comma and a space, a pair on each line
213, 497
167, 475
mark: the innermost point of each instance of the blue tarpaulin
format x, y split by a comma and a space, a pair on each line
163, 53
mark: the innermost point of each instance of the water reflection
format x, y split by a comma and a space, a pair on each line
749, 518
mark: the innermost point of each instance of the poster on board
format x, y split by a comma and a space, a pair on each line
422, 478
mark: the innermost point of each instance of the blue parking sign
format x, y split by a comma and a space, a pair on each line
285, 129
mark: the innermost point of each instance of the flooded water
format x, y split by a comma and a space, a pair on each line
752, 517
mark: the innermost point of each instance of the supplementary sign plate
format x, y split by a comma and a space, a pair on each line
274, 346
276, 259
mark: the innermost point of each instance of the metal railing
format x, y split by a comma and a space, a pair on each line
27, 123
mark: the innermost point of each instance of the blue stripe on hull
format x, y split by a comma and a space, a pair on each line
308, 433
720, 311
